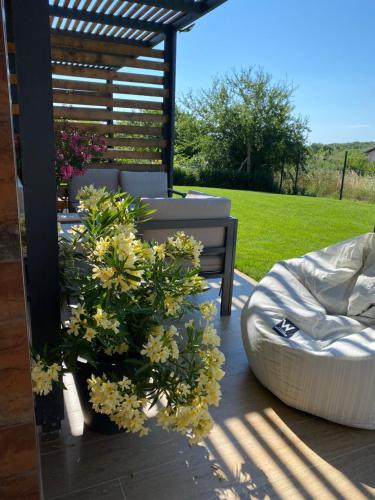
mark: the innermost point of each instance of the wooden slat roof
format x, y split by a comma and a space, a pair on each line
145, 22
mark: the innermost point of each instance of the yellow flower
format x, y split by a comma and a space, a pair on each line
210, 337
105, 321
98, 316
161, 345
124, 246
119, 402
73, 326
90, 334
172, 305
102, 247
208, 310
43, 376
104, 274
181, 245
160, 251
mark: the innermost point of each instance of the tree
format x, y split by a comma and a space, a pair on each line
242, 112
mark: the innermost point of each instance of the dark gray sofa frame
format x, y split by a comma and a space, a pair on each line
228, 251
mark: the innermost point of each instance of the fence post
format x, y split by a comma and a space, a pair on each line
343, 175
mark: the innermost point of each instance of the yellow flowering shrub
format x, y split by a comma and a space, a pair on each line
127, 303
43, 376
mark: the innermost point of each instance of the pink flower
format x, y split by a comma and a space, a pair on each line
75, 151
66, 171
78, 171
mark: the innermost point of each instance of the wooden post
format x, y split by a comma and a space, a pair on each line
343, 175
19, 470
33, 64
169, 103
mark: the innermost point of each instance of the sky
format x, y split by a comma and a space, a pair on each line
325, 47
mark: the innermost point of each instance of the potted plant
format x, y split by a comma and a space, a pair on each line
134, 337
75, 151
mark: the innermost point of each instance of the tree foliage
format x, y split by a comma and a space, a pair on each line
241, 112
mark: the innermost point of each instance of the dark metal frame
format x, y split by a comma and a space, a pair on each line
169, 103
108, 19
33, 62
206, 6
228, 251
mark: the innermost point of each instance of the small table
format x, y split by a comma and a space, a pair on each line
68, 218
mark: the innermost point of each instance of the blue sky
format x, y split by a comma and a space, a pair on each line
325, 47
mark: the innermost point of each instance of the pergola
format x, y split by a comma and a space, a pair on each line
93, 64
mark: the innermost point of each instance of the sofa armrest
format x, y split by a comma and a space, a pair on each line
175, 191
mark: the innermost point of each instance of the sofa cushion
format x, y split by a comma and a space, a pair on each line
145, 184
208, 207
99, 178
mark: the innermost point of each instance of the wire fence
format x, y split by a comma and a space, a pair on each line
342, 182
329, 182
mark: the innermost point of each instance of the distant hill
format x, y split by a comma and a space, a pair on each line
332, 155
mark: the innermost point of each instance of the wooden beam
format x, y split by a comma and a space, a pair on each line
103, 38
105, 74
93, 45
97, 59
132, 155
93, 99
136, 143
102, 114
107, 19
103, 129
109, 87
131, 167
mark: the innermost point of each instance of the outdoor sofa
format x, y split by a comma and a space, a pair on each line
203, 216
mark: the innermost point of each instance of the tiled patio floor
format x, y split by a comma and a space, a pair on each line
259, 448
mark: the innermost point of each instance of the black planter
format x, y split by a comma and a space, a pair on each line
97, 422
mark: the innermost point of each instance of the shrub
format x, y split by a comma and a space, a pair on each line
224, 178
128, 305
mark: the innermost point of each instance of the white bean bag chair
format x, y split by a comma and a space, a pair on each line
309, 332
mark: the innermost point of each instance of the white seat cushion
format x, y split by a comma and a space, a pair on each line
145, 184
99, 178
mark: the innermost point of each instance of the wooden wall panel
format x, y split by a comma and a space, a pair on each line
127, 107
124, 106
19, 476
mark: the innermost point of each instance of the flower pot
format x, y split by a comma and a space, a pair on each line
97, 422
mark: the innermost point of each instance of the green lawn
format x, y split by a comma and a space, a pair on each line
274, 227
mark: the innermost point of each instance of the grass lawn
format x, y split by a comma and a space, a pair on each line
274, 227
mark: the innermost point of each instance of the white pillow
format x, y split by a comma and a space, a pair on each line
145, 184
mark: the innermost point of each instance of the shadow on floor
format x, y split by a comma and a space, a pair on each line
259, 448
